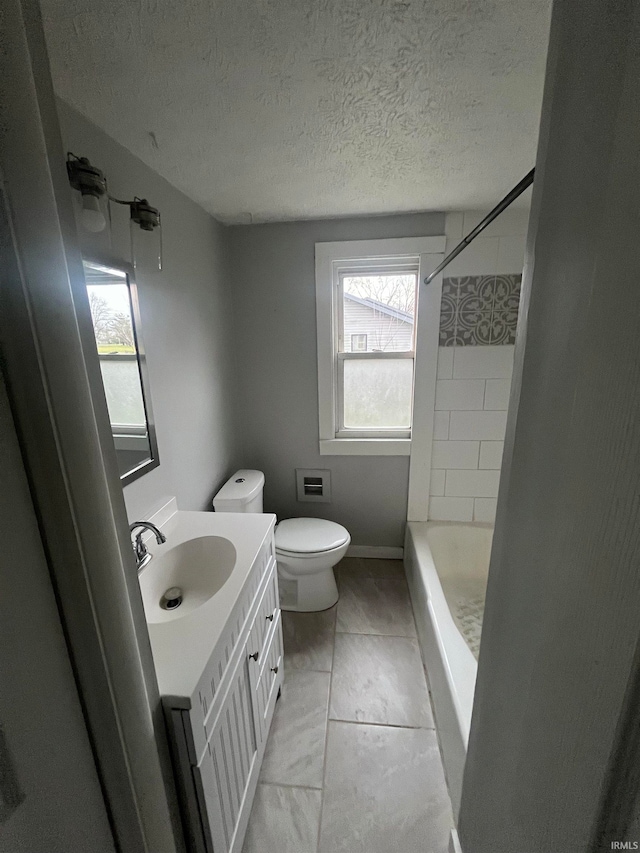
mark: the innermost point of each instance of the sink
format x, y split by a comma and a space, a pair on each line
200, 567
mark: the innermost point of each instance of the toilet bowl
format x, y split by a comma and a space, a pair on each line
307, 549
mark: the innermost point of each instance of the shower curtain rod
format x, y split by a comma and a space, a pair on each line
497, 210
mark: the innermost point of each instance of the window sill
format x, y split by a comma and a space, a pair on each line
365, 446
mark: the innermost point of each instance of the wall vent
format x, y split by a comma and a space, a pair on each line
313, 484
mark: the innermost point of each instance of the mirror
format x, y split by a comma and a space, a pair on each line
116, 324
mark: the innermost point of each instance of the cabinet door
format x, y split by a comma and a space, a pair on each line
226, 776
269, 679
266, 612
265, 657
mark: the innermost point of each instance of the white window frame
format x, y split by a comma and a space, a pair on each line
360, 335
366, 267
368, 255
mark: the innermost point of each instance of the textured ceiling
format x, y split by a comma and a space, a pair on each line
288, 109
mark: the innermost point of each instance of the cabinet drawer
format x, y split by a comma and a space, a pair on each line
267, 678
268, 609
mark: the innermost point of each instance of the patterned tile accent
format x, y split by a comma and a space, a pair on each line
479, 310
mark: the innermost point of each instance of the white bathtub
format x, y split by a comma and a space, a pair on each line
452, 558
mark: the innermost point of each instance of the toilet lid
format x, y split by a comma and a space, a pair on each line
309, 535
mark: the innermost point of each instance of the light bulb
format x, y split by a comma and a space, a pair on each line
92, 217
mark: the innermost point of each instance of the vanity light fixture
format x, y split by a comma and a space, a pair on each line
91, 182
147, 218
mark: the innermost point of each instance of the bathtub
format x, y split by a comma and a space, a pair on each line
447, 565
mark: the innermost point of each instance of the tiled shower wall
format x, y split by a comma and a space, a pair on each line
472, 397
478, 320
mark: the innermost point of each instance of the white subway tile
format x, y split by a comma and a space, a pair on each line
440, 426
491, 454
484, 509
495, 362
511, 255
445, 362
477, 426
459, 394
473, 218
436, 483
479, 258
472, 484
451, 509
511, 223
496, 395
455, 454
454, 225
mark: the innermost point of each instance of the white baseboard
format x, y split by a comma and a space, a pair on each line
454, 842
375, 552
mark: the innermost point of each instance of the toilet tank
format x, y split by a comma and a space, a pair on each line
241, 493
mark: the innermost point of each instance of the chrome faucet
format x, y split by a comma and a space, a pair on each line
139, 548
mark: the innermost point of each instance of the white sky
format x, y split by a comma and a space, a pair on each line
115, 295
395, 290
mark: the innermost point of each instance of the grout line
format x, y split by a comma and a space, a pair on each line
382, 725
326, 737
397, 578
390, 636
286, 785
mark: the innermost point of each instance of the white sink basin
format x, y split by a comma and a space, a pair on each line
209, 555
200, 567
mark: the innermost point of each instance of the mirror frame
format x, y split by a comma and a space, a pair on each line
121, 266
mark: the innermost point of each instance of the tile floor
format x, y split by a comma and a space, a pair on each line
352, 763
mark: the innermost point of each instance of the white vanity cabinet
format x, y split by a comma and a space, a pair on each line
218, 734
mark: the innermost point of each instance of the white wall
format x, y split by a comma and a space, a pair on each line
186, 327
472, 391
273, 287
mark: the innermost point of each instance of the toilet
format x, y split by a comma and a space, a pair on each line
307, 549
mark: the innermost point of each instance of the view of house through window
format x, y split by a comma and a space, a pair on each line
113, 327
376, 350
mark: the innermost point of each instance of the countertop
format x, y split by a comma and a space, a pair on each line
182, 647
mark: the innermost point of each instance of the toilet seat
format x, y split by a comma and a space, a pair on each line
308, 537
308, 555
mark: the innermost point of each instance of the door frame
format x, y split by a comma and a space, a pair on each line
63, 428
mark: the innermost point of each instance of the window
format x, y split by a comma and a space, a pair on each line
374, 379
358, 343
366, 297
113, 327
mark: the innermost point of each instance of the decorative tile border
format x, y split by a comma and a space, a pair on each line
479, 310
